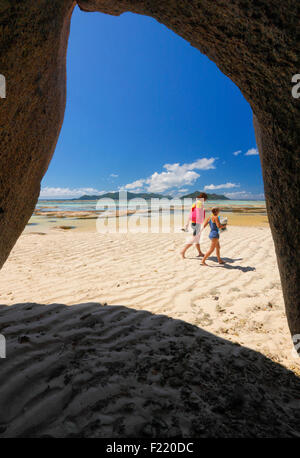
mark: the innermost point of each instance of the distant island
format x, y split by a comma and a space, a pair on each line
130, 195
193, 195
148, 196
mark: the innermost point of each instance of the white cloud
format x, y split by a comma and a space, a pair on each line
240, 195
175, 176
252, 152
221, 186
160, 182
200, 164
236, 153
138, 184
66, 193
114, 175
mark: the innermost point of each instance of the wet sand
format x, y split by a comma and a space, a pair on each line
87, 221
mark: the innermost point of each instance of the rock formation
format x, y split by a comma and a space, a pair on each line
253, 43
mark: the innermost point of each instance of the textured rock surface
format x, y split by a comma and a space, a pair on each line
33, 41
254, 43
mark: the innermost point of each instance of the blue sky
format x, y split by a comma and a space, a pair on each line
148, 112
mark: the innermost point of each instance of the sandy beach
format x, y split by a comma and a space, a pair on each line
138, 299
241, 301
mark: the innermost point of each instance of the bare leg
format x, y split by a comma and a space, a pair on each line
220, 261
186, 247
209, 252
199, 250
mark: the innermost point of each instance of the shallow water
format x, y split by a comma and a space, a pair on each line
104, 204
153, 215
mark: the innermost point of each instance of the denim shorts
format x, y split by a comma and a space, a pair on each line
214, 235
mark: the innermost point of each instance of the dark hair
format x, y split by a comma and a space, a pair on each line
215, 211
202, 195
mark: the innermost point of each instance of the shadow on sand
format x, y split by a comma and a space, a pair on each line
228, 262
109, 371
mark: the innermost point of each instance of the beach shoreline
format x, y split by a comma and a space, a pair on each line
81, 216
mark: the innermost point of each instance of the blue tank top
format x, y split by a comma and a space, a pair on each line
214, 230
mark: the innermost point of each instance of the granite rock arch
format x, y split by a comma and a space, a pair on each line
253, 43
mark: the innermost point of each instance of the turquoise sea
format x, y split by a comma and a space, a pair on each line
105, 204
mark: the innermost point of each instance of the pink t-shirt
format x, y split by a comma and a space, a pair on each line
197, 213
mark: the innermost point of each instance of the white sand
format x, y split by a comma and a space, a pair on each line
91, 370
241, 302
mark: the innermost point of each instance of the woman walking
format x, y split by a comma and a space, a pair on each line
215, 225
196, 218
